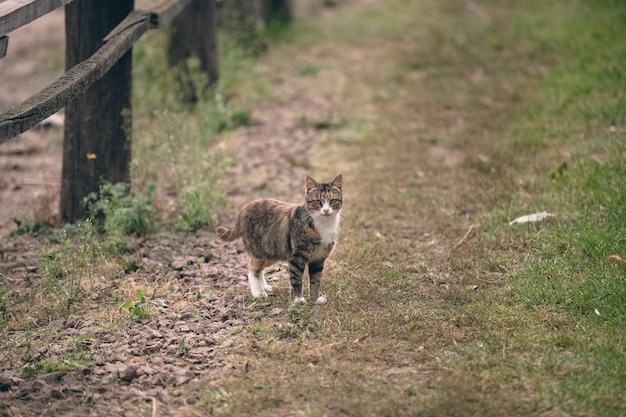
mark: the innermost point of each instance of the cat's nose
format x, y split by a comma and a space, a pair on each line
326, 210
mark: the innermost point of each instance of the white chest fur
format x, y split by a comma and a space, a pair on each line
327, 227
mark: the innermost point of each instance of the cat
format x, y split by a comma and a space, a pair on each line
303, 235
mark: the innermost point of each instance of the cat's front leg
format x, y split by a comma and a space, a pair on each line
297, 262
315, 279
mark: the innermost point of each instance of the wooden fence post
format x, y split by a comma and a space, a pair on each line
276, 11
192, 33
96, 143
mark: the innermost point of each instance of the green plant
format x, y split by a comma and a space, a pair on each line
197, 204
68, 266
4, 308
130, 266
255, 328
140, 309
202, 296
183, 347
80, 343
42, 367
118, 212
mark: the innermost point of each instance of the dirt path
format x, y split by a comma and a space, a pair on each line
30, 165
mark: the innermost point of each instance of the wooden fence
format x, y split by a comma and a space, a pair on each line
96, 87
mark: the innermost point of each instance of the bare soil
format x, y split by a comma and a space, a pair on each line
143, 367
30, 165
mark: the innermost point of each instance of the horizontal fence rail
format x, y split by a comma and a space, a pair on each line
79, 78
95, 90
17, 13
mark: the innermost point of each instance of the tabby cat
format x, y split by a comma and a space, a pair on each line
302, 234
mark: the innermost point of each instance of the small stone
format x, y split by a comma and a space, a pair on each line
183, 328
152, 348
24, 392
179, 264
181, 376
275, 312
5, 383
226, 344
38, 385
52, 377
115, 368
160, 394
57, 394
73, 322
129, 373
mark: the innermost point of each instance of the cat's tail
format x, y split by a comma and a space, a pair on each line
228, 233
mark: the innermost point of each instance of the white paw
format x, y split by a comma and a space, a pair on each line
268, 288
321, 300
298, 300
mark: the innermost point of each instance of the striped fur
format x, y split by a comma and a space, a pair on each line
303, 235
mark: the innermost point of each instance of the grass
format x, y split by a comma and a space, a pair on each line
190, 177
461, 117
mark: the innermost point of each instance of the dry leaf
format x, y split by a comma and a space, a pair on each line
529, 218
620, 258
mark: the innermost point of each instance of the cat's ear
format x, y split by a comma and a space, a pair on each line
310, 184
337, 182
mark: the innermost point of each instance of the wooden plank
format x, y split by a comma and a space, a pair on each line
74, 82
4, 41
17, 13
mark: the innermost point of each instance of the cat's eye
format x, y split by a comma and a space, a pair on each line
334, 201
318, 202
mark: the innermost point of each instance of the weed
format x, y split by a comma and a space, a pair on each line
215, 401
302, 323
193, 170
255, 328
66, 268
202, 296
183, 346
43, 367
80, 343
119, 213
140, 309
4, 308
130, 266
197, 205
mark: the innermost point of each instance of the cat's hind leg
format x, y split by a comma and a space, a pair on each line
256, 279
